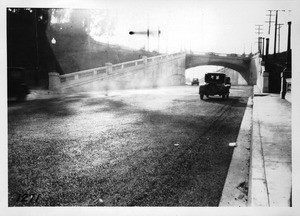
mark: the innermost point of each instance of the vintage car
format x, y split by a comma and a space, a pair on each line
232, 55
195, 81
215, 84
17, 87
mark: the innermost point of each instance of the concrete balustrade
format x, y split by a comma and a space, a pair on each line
94, 78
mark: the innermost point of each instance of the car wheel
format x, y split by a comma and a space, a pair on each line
201, 96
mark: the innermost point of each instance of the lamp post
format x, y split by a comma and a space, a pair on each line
53, 42
147, 33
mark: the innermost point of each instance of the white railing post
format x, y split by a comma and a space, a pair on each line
108, 66
54, 81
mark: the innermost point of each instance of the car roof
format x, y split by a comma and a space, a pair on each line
215, 73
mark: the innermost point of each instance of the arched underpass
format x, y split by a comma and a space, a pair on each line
239, 64
199, 72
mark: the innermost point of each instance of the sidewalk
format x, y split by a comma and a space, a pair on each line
270, 180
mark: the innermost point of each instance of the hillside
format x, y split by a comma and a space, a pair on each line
78, 51
31, 45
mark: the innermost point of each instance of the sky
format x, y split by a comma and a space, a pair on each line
195, 25
221, 26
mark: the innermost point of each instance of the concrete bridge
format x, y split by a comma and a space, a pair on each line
161, 70
239, 63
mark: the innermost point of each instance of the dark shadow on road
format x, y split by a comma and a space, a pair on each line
234, 101
105, 104
57, 107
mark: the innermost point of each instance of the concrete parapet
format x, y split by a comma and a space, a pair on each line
54, 81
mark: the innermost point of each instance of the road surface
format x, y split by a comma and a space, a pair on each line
150, 147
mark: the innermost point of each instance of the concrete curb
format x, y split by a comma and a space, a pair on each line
236, 185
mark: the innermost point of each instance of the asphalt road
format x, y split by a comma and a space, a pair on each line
151, 147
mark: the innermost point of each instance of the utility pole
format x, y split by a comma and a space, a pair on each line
270, 16
259, 32
287, 72
259, 44
289, 51
275, 36
158, 35
263, 46
267, 49
147, 33
279, 27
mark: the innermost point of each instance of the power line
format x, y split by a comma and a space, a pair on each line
279, 27
258, 29
270, 16
275, 35
259, 32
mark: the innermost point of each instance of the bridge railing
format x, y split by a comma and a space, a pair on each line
221, 54
56, 81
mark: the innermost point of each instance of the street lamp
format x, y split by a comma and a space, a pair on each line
148, 33
53, 42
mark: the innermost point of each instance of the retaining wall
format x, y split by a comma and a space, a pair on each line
257, 69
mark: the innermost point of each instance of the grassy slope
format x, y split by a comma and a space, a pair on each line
78, 51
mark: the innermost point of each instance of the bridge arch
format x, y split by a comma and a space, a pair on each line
236, 63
